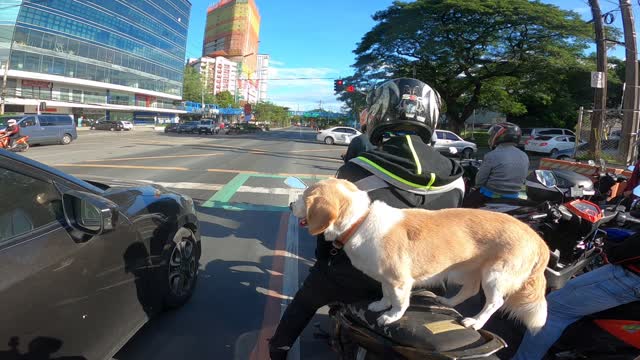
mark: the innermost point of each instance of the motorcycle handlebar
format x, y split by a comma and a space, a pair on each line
538, 216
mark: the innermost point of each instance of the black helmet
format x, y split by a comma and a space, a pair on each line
402, 105
504, 133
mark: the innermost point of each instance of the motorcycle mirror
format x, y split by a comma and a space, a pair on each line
591, 163
636, 191
631, 167
453, 150
546, 178
295, 183
603, 165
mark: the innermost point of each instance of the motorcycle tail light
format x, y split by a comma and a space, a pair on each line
585, 210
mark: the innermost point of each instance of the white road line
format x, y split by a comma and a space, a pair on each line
290, 280
216, 187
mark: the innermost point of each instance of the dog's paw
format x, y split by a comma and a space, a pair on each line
471, 323
388, 318
378, 306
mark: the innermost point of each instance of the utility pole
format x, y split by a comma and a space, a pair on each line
600, 96
3, 94
630, 102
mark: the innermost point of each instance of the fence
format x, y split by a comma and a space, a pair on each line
609, 137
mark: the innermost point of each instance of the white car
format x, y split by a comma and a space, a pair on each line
127, 125
338, 135
550, 144
445, 140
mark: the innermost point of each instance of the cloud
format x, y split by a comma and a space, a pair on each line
276, 63
307, 87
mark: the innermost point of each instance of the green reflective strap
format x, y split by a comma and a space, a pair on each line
416, 160
397, 178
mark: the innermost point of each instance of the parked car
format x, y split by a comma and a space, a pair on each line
127, 125
171, 128
44, 128
550, 144
447, 139
188, 127
85, 263
337, 135
207, 127
532, 133
110, 125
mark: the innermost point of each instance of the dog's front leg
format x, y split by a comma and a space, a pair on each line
400, 296
385, 302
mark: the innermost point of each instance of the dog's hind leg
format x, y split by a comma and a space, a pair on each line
400, 297
470, 287
495, 299
385, 302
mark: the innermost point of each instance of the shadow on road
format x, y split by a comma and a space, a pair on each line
40, 348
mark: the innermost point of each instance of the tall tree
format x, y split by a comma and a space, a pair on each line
472, 51
192, 86
224, 99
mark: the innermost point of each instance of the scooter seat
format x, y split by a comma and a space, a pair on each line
426, 325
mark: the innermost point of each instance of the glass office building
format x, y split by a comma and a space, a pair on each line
117, 58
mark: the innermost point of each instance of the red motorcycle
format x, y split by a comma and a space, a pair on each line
19, 145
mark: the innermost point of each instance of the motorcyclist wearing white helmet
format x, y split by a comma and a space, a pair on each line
12, 132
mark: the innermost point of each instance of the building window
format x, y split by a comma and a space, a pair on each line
64, 94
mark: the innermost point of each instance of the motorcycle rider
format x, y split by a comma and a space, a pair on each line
402, 170
612, 285
504, 169
12, 132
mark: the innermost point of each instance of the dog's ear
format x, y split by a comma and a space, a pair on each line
321, 213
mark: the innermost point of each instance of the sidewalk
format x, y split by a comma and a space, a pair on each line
136, 128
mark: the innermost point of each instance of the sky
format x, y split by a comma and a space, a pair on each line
317, 38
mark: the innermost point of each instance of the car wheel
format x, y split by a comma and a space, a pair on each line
563, 157
553, 153
466, 153
182, 268
66, 139
329, 140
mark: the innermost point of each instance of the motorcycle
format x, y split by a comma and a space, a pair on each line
428, 330
19, 145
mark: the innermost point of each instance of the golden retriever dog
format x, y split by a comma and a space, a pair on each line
402, 248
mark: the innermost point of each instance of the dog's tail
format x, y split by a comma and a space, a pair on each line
528, 304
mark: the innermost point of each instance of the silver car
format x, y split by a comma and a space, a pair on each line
447, 139
338, 135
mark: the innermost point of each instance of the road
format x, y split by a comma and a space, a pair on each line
254, 255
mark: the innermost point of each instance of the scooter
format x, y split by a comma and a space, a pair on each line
19, 145
428, 330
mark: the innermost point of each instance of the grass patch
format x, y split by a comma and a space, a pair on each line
481, 138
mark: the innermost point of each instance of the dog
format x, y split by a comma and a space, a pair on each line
403, 248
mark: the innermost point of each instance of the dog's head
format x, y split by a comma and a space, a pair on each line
329, 204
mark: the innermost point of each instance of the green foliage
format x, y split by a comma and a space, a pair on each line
501, 55
192, 86
224, 99
269, 112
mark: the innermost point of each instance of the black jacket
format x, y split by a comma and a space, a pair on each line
626, 254
397, 159
358, 145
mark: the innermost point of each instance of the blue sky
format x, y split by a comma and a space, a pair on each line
317, 38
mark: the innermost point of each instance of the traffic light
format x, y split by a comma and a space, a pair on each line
350, 89
338, 85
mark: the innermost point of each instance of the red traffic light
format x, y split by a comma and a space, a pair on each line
339, 82
350, 88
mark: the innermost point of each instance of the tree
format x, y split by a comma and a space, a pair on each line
269, 112
224, 99
192, 86
473, 52
354, 102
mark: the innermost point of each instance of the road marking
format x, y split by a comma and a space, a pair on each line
225, 194
156, 157
123, 167
271, 314
276, 175
291, 283
231, 206
318, 150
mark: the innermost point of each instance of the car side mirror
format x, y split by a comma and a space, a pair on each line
89, 213
295, 183
546, 178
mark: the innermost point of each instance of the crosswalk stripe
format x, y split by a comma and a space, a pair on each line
217, 187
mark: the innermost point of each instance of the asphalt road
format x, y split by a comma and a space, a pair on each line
254, 254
